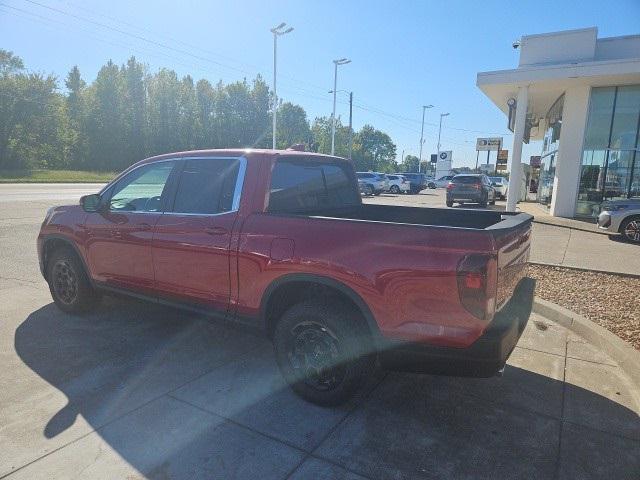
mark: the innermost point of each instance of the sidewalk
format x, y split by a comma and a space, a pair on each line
541, 215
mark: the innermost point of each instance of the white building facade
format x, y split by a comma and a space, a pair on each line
580, 94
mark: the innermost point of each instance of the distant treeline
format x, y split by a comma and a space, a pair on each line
128, 113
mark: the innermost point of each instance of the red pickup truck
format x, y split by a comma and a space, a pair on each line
282, 240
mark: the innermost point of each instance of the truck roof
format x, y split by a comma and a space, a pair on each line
237, 152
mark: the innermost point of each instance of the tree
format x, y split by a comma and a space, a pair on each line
374, 150
410, 163
105, 122
164, 112
293, 126
206, 99
76, 133
321, 132
32, 117
134, 111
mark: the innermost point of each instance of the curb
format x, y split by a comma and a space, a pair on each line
570, 227
627, 357
581, 269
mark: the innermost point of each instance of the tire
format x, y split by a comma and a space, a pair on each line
449, 203
395, 189
68, 283
630, 229
432, 186
369, 191
483, 202
340, 345
493, 202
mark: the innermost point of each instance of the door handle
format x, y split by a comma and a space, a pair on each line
216, 230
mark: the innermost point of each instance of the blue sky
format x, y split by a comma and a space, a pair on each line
404, 54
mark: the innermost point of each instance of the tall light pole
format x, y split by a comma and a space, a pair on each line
440, 129
341, 61
424, 108
350, 120
277, 31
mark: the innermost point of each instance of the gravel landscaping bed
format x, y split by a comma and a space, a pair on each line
610, 300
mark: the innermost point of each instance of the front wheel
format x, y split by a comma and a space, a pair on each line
630, 229
324, 351
70, 287
395, 189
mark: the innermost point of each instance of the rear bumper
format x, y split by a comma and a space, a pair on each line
465, 197
483, 358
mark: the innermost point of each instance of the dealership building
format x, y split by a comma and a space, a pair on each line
580, 95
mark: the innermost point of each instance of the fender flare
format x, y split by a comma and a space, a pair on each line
327, 281
68, 242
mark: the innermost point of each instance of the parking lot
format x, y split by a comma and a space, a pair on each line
141, 391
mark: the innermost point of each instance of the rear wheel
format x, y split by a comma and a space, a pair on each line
70, 287
324, 351
395, 189
630, 229
483, 201
449, 203
369, 190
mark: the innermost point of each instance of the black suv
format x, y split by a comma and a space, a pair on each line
472, 189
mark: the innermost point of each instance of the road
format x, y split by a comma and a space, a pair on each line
139, 391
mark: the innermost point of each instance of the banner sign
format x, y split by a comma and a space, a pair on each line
503, 157
491, 144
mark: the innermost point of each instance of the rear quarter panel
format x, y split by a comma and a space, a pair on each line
406, 274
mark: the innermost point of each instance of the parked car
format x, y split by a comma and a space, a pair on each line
378, 181
500, 185
621, 217
442, 182
282, 241
398, 184
365, 188
470, 188
417, 182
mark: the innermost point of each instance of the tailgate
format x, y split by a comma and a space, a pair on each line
512, 238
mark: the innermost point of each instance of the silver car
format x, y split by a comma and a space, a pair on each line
623, 217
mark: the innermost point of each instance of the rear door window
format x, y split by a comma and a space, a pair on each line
207, 186
299, 185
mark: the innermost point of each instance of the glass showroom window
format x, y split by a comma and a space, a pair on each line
550, 145
610, 159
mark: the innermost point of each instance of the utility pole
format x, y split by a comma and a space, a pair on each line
341, 61
277, 31
350, 124
424, 108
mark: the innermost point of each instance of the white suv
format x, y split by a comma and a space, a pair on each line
398, 184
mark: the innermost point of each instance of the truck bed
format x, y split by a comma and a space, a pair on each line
434, 217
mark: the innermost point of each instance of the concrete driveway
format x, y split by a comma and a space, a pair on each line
140, 391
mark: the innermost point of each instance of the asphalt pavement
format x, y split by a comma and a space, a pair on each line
136, 391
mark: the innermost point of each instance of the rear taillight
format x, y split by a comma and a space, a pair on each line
449, 186
477, 186
477, 281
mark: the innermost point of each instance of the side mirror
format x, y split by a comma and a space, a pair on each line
90, 203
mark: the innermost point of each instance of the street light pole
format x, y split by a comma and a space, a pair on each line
440, 130
341, 61
350, 124
277, 31
424, 108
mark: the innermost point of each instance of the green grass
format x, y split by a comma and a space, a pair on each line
54, 176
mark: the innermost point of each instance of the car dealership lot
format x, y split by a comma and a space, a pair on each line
140, 391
